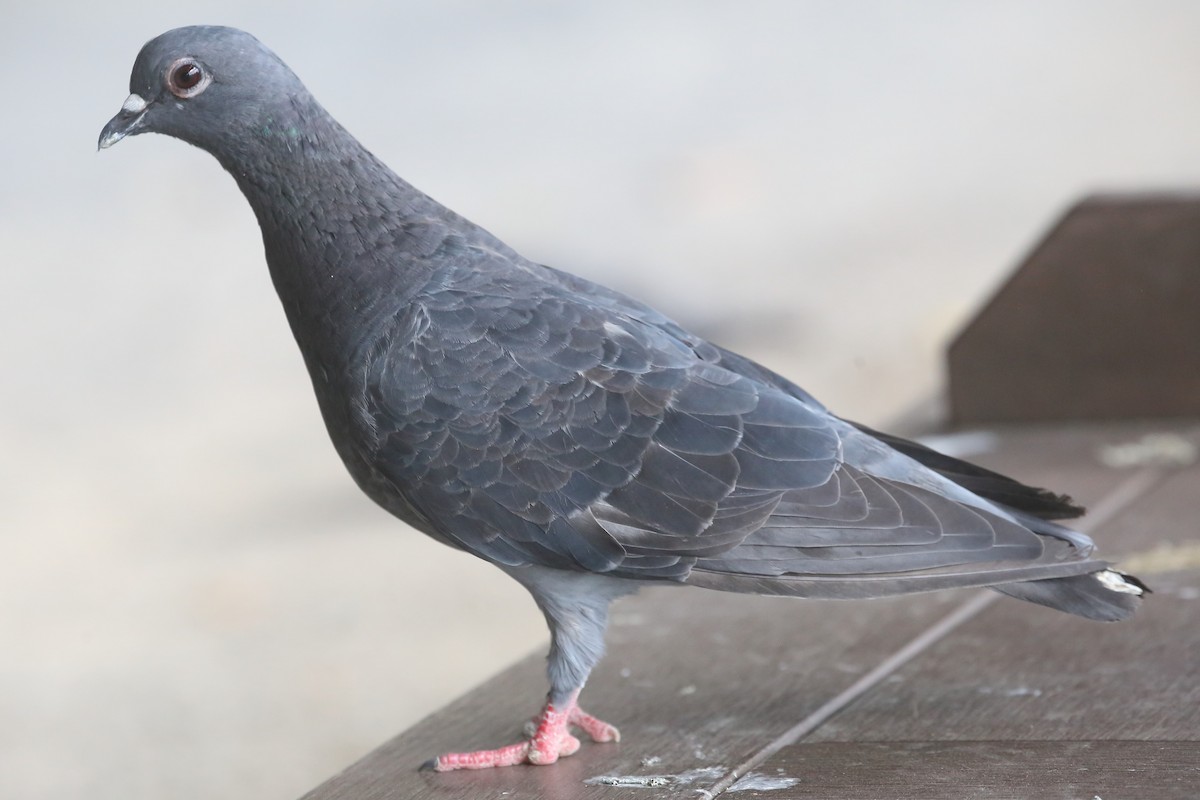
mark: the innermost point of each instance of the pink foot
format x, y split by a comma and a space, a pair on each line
549, 741
598, 729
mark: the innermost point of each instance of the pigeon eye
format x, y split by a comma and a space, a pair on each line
186, 78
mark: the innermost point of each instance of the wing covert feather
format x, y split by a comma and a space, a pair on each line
541, 420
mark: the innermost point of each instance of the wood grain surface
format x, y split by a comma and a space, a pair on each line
997, 770
1009, 700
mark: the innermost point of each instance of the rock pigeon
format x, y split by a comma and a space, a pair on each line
581, 441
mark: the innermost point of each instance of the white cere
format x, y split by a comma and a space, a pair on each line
134, 104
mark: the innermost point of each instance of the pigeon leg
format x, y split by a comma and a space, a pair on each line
549, 741
576, 610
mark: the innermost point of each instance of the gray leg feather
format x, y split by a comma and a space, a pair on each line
576, 608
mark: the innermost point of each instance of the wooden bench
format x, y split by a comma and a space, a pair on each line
951, 695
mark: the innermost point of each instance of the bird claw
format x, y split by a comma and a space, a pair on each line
597, 729
549, 740
481, 759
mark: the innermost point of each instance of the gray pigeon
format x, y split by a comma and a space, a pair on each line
579, 440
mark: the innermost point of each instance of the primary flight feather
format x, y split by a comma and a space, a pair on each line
581, 441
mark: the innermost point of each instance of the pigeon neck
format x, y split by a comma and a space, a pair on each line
333, 220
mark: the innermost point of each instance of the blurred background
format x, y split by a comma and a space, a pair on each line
194, 599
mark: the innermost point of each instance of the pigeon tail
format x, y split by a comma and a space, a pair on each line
1104, 596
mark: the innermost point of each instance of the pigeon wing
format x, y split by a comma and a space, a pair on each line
530, 426
531, 423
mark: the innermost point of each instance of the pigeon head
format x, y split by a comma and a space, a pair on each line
212, 87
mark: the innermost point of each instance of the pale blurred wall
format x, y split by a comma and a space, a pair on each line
194, 601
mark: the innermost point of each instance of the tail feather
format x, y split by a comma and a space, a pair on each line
1106, 596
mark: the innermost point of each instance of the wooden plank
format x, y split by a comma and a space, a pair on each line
1088, 462
1024, 673
1061, 458
697, 681
997, 770
1133, 484
1067, 447
1073, 459
1097, 323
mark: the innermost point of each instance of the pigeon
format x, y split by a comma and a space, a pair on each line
579, 440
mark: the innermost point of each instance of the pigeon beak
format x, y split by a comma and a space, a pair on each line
127, 121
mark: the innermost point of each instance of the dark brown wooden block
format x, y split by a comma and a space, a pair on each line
1101, 321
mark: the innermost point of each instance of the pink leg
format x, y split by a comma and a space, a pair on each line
550, 741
